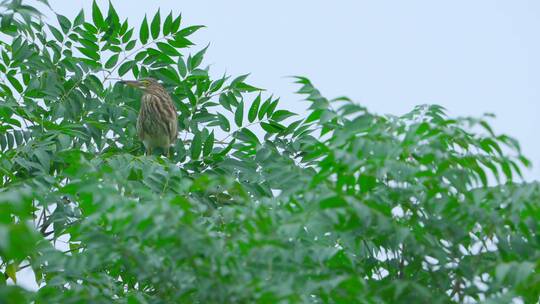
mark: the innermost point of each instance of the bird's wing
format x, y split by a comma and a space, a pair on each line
173, 122
174, 129
140, 131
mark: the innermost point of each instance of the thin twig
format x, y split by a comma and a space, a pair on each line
23, 267
134, 52
248, 125
188, 141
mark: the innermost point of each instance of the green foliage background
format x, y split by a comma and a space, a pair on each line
338, 206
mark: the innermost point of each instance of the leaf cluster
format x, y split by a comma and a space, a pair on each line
256, 203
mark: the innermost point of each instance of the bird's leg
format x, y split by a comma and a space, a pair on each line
169, 152
149, 151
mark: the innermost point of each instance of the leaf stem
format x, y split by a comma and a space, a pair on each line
134, 52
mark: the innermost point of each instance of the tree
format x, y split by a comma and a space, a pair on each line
256, 204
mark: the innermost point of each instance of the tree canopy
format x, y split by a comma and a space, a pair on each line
256, 204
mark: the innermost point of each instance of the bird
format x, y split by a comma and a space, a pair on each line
157, 123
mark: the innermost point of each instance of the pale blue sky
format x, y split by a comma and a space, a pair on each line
469, 56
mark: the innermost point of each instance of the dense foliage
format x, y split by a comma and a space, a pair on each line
256, 204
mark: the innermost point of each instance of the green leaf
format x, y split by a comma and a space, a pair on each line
232, 99
217, 84
315, 115
56, 33
224, 101
64, 22
126, 67
196, 146
264, 107
6, 90
505, 166
3, 143
167, 49
11, 272
176, 24
112, 61
143, 31
43, 158
79, 19
130, 45
239, 114
224, 123
167, 25
113, 20
247, 136
180, 42
15, 83
367, 182
292, 127
271, 108
169, 75
282, 115
238, 80
185, 32
90, 29
272, 127
182, 67
97, 17
525, 161
333, 202
191, 97
228, 148
181, 152
244, 87
195, 61
127, 36
10, 140
156, 25
254, 108
89, 45
208, 144
89, 53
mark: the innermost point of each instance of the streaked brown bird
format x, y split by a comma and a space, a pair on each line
157, 124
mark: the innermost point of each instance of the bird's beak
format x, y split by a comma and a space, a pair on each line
131, 83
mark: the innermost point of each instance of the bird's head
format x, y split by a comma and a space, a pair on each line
145, 84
